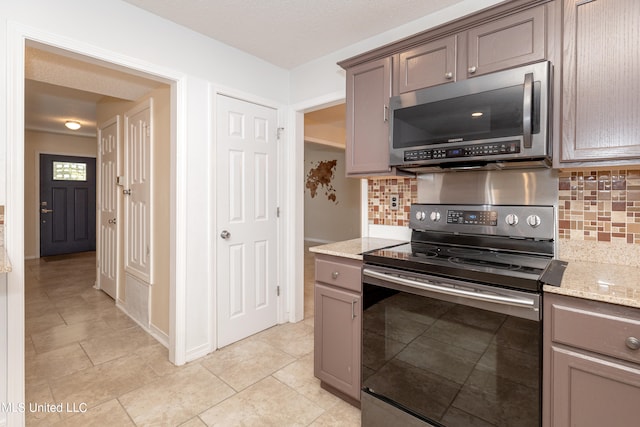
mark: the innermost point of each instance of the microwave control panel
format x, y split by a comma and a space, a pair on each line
464, 151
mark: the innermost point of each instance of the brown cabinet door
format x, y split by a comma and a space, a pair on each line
428, 65
337, 338
507, 42
593, 392
601, 106
368, 92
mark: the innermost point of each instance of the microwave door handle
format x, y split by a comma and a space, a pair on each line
527, 109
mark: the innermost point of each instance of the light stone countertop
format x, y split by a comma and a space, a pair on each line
5, 264
354, 248
616, 284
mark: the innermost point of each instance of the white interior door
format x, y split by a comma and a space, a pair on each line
247, 219
138, 152
108, 140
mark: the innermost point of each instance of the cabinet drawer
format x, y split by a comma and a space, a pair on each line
596, 330
345, 274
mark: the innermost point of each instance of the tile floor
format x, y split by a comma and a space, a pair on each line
87, 355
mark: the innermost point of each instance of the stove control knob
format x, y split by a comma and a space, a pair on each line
533, 220
511, 219
435, 216
420, 215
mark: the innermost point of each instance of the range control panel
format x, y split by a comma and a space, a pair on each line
472, 217
463, 151
535, 222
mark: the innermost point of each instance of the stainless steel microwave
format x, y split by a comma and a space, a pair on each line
499, 120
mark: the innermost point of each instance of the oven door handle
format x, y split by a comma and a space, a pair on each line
499, 299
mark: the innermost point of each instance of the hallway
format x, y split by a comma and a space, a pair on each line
84, 353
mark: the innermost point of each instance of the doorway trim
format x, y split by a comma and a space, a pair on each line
295, 198
17, 37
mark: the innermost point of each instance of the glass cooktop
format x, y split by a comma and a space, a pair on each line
500, 268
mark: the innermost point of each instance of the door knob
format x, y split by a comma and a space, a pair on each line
225, 234
44, 210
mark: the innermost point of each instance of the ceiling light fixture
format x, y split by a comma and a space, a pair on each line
476, 114
72, 124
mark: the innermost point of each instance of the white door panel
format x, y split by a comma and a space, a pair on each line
246, 209
138, 152
108, 141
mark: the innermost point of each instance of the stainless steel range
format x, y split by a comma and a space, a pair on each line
452, 320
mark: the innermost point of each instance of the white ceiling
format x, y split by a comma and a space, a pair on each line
289, 33
61, 86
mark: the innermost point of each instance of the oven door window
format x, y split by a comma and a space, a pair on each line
450, 363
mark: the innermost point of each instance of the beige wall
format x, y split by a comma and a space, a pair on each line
327, 220
45, 143
160, 251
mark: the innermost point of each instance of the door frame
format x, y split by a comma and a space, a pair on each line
37, 195
294, 199
17, 37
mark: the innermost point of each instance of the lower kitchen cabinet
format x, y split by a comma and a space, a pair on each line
338, 325
592, 363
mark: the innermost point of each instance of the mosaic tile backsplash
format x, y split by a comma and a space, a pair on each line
596, 206
602, 206
380, 192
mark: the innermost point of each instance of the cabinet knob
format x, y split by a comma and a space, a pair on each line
632, 343
473, 69
335, 275
448, 75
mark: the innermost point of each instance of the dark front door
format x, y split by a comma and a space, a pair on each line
67, 204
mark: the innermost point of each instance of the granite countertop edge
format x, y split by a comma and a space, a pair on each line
610, 283
354, 248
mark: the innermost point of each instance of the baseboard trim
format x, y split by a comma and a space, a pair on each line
159, 335
198, 352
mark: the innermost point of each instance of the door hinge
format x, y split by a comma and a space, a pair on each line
277, 291
126, 192
279, 133
148, 130
278, 212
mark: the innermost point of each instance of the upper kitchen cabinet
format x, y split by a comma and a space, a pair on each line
499, 44
504, 36
508, 42
601, 106
430, 64
368, 92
